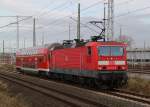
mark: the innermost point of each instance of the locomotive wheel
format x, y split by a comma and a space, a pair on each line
61, 77
101, 85
97, 83
124, 84
82, 81
42, 74
90, 82
20, 71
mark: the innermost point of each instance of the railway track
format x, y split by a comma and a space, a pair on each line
131, 96
59, 95
131, 93
75, 100
140, 67
139, 71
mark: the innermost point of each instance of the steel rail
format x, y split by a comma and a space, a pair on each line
59, 95
130, 96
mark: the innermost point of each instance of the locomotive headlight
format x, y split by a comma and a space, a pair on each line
120, 62
123, 68
103, 63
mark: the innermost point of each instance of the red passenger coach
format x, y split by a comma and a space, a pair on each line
33, 59
98, 63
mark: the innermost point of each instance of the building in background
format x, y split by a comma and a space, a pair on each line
7, 58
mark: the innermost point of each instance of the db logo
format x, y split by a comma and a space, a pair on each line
111, 58
66, 58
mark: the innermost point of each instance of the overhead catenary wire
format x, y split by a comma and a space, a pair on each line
92, 5
131, 12
29, 17
128, 13
85, 25
83, 9
53, 14
12, 16
75, 21
42, 10
55, 8
123, 3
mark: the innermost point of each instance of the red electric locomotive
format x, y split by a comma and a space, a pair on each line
100, 63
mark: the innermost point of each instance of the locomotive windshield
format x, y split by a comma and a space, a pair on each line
110, 51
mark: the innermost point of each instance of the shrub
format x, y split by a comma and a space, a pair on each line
139, 85
7, 67
6, 100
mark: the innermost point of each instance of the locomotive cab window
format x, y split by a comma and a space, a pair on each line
110, 51
89, 50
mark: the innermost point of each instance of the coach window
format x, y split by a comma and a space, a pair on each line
45, 58
89, 50
18, 59
40, 59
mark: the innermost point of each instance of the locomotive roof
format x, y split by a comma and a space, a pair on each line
53, 46
114, 43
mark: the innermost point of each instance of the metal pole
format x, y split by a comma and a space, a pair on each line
104, 22
34, 34
17, 32
108, 21
144, 45
78, 24
110, 27
69, 31
142, 54
112, 18
3, 47
43, 39
120, 31
24, 44
3, 51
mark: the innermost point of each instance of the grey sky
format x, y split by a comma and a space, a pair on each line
53, 21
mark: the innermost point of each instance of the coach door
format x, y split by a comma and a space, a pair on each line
50, 60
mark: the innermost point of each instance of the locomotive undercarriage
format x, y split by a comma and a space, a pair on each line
112, 80
104, 80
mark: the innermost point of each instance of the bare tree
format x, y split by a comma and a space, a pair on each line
126, 39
